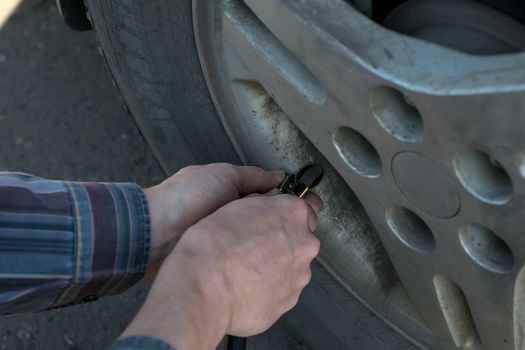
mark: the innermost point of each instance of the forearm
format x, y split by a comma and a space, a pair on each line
67, 242
186, 315
187, 330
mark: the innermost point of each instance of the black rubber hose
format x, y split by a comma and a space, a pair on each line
235, 343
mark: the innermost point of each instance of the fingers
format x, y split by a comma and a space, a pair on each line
250, 179
312, 218
295, 209
307, 248
301, 279
273, 192
314, 247
315, 202
309, 244
270, 193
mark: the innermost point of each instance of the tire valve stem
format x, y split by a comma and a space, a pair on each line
300, 184
297, 185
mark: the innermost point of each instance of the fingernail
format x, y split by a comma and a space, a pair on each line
279, 173
317, 209
312, 223
322, 206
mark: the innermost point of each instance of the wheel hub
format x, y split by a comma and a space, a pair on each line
425, 184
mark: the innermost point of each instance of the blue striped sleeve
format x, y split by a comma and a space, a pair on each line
67, 242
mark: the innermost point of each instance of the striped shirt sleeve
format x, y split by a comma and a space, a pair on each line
63, 243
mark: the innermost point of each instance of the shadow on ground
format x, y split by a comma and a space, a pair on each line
61, 117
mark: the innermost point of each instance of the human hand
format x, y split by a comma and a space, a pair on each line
193, 193
236, 272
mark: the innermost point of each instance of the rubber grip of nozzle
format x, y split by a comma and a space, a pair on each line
235, 343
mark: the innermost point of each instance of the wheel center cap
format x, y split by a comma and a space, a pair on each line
425, 184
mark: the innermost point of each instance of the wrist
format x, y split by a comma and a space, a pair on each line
182, 308
165, 231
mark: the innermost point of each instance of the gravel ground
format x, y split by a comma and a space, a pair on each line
61, 117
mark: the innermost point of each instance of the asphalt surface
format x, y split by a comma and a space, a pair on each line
61, 117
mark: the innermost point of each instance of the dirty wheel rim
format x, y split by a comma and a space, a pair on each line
423, 151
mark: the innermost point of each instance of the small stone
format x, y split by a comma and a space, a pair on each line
19, 140
3, 58
124, 137
68, 340
23, 334
3, 116
40, 45
28, 144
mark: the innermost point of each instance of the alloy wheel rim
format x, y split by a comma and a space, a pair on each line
427, 235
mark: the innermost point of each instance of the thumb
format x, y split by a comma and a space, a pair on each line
315, 202
272, 192
250, 179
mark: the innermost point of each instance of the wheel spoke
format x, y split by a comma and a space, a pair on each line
296, 30
271, 62
295, 90
491, 307
333, 40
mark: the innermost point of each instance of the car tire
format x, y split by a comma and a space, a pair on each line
150, 49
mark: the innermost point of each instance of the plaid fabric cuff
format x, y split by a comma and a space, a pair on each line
112, 238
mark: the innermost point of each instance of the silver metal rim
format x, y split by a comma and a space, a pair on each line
427, 138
